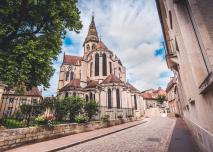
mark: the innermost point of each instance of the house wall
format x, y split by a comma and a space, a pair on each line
189, 55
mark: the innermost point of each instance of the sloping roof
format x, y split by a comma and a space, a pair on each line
91, 84
101, 45
111, 79
131, 87
33, 92
153, 94
73, 60
72, 84
147, 95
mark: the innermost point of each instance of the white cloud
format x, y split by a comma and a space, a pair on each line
132, 30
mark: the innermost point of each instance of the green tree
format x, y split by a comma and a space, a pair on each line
74, 106
60, 109
31, 33
161, 98
91, 108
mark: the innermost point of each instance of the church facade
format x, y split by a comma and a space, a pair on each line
99, 75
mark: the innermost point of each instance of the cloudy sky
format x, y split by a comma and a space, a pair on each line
131, 29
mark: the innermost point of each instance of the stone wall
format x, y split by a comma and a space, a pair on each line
10, 138
203, 137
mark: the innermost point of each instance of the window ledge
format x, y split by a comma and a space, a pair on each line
207, 84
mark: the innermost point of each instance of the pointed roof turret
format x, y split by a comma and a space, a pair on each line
92, 33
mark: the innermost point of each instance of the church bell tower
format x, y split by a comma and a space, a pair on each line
92, 39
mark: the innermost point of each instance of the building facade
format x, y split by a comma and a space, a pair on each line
11, 100
99, 75
172, 97
188, 32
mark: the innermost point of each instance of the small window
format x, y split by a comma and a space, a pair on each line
90, 96
96, 64
109, 99
11, 100
135, 100
71, 75
87, 98
88, 47
67, 76
110, 67
170, 19
93, 47
66, 94
74, 94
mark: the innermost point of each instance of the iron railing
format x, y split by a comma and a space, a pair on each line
114, 112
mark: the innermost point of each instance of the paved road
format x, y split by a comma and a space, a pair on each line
151, 136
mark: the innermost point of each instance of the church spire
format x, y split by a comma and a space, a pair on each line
92, 33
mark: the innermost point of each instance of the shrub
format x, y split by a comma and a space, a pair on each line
81, 119
105, 118
41, 120
120, 116
91, 108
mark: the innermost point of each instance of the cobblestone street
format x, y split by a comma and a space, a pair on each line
151, 136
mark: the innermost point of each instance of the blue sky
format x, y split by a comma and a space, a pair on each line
131, 29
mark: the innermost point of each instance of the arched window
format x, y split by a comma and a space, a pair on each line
71, 75
90, 96
94, 97
93, 47
87, 98
96, 64
66, 94
104, 60
74, 94
118, 98
109, 98
67, 76
91, 68
135, 100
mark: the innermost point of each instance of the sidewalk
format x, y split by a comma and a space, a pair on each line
68, 141
182, 140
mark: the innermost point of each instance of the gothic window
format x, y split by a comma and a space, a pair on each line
90, 96
91, 68
67, 76
93, 46
96, 64
88, 47
71, 75
135, 100
66, 94
94, 97
118, 98
109, 98
110, 67
87, 98
74, 94
104, 64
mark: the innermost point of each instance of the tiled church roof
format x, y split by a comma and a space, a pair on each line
101, 45
33, 92
111, 79
72, 84
73, 60
91, 84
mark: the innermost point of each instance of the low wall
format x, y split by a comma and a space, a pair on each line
10, 138
203, 138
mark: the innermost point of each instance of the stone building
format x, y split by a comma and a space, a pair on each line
172, 96
99, 75
11, 100
188, 31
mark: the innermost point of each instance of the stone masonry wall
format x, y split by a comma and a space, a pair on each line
10, 138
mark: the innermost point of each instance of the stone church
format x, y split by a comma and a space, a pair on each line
99, 75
